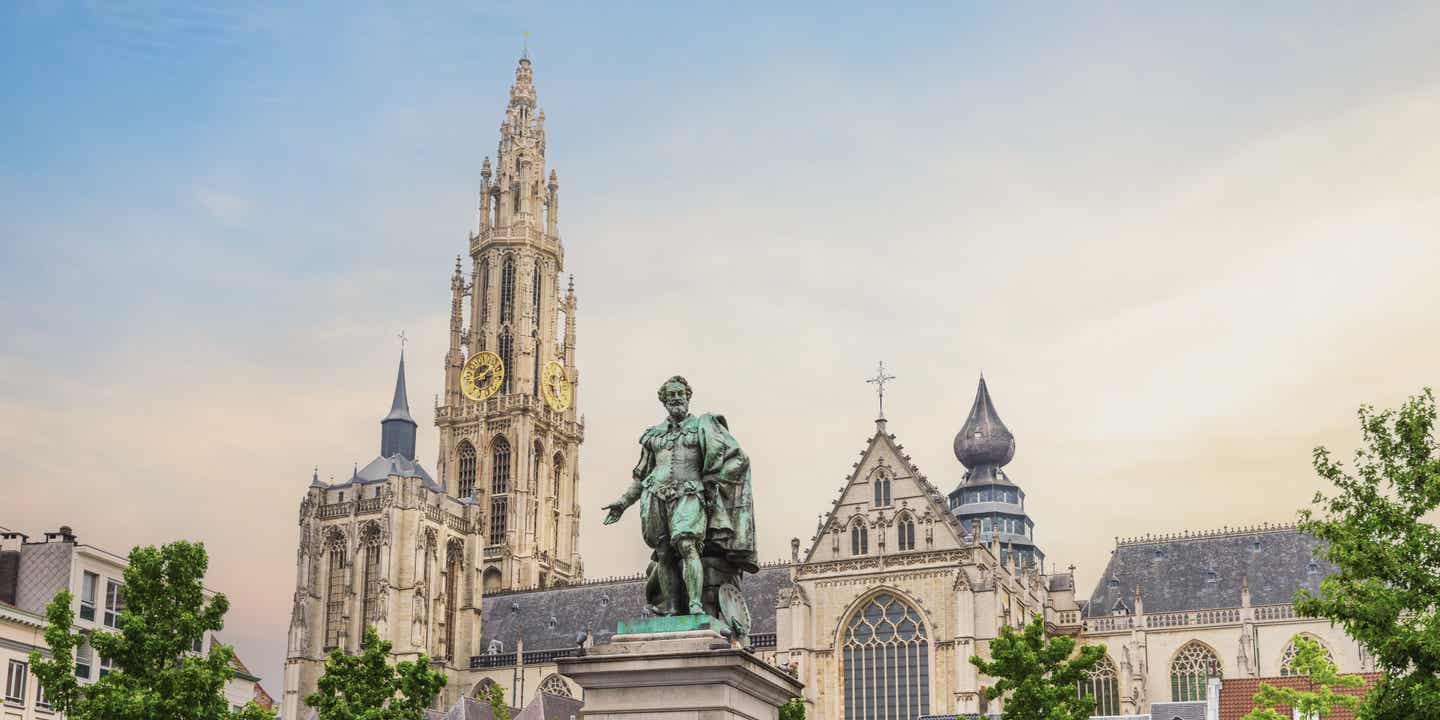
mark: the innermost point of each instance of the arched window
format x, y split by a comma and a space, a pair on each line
535, 293
506, 346
558, 471
885, 661
1104, 686
491, 579
1190, 671
484, 290
859, 539
467, 469
454, 560
370, 598
499, 489
482, 687
335, 594
1287, 658
554, 685
507, 290
905, 534
882, 490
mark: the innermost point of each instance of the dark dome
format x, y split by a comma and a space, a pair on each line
984, 439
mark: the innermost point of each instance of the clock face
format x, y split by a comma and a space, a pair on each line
482, 376
555, 386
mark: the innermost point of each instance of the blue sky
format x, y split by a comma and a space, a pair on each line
1182, 243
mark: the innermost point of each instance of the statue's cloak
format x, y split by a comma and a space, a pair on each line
725, 472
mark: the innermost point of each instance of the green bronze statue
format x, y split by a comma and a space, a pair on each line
693, 485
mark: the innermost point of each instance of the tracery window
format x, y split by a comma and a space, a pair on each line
535, 293
882, 490
1104, 686
484, 290
467, 469
370, 601
452, 582
506, 346
335, 598
885, 662
905, 534
859, 540
499, 489
1287, 658
1190, 671
559, 471
553, 685
507, 292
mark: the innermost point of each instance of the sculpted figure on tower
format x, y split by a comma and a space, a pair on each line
693, 486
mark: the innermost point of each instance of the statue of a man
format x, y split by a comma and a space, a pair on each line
693, 485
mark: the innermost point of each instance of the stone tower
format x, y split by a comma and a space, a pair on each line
516, 451
991, 507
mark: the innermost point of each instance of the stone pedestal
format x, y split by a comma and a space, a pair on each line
685, 671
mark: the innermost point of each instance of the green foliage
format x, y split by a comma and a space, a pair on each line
1387, 556
1037, 675
367, 687
793, 709
155, 672
1317, 702
495, 697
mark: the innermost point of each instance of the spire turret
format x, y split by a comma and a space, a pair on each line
397, 430
984, 439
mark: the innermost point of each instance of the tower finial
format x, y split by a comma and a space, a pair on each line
397, 429
879, 381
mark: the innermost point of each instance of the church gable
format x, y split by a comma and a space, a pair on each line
887, 506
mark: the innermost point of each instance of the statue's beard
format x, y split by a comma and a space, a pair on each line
677, 410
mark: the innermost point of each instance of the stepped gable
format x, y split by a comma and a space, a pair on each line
598, 607
1205, 570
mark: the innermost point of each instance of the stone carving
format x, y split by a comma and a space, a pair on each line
417, 619
693, 486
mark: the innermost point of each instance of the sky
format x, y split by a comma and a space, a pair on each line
1183, 244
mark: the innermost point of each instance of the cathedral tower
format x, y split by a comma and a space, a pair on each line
991, 507
509, 431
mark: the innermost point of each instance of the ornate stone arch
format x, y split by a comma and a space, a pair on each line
906, 523
1191, 668
335, 538
884, 644
859, 532
467, 464
1287, 657
481, 687
553, 684
1103, 684
372, 532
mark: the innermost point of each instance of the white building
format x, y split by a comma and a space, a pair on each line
31, 573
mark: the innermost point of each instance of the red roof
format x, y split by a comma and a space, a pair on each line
1237, 697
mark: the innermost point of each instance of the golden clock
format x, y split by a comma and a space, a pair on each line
482, 375
555, 386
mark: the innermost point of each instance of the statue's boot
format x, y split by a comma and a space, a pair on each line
694, 580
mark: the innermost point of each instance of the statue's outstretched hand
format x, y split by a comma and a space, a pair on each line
616, 510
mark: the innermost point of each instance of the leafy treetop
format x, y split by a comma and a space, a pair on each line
1037, 675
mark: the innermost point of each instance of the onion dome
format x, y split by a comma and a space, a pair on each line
984, 439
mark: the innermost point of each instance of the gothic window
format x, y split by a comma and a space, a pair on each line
1103, 685
1190, 671
484, 290
507, 359
553, 685
499, 489
452, 582
535, 293
335, 599
559, 471
885, 662
859, 540
1287, 658
535, 369
370, 601
905, 532
467, 469
507, 291
882, 490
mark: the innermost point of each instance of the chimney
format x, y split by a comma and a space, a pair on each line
10, 543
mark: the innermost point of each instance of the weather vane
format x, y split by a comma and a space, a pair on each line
880, 379
402, 337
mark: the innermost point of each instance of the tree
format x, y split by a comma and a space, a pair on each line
1040, 678
368, 687
1316, 703
793, 709
1387, 557
156, 673
495, 697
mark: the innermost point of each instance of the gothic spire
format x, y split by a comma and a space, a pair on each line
984, 439
397, 430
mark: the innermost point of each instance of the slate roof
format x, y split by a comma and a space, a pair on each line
1178, 711
1202, 572
984, 439
598, 608
380, 468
